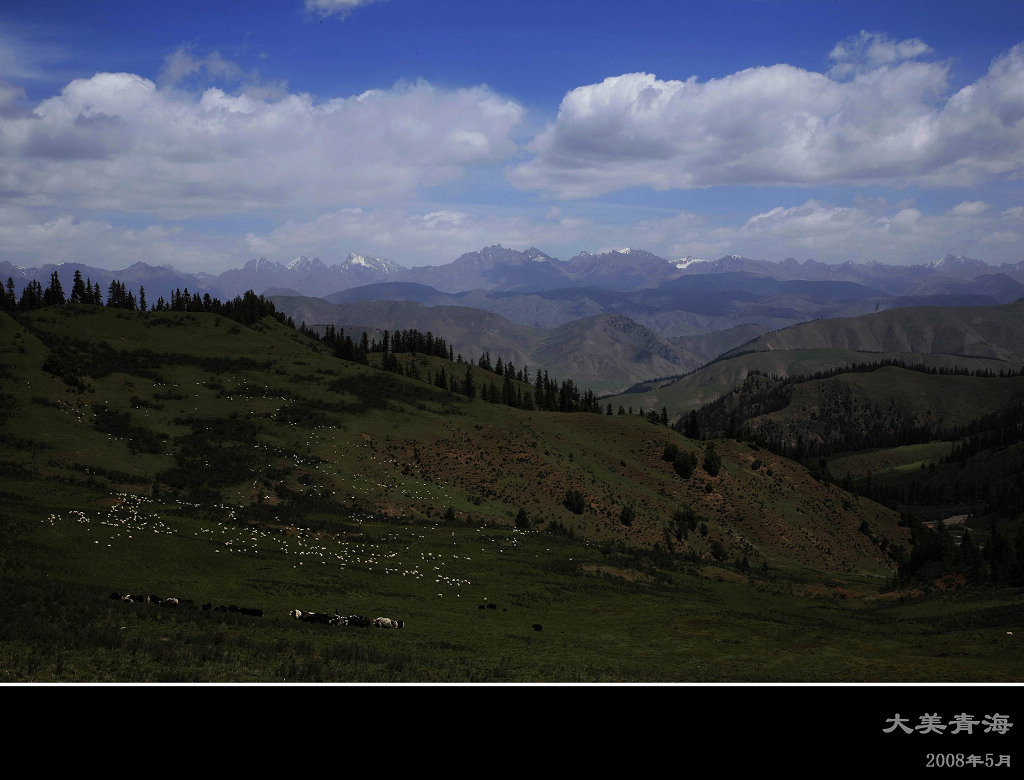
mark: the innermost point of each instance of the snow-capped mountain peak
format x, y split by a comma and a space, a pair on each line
380, 265
354, 259
687, 261
303, 263
955, 262
536, 255
259, 264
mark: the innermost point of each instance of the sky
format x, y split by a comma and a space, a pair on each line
206, 134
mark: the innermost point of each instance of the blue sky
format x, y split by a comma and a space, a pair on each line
204, 134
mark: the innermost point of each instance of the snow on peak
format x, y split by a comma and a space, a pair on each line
372, 263
949, 262
260, 264
303, 263
626, 251
687, 261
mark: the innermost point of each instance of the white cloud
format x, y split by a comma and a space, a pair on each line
338, 8
870, 50
969, 208
899, 234
181, 64
102, 244
118, 141
10, 98
869, 230
1001, 237
893, 122
410, 238
873, 230
22, 59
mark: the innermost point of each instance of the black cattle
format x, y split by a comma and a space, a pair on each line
482, 606
492, 606
117, 596
538, 627
207, 606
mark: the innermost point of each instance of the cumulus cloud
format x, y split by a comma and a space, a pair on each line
181, 64
10, 98
1001, 237
871, 229
898, 234
880, 116
118, 141
30, 242
969, 208
417, 238
337, 8
869, 50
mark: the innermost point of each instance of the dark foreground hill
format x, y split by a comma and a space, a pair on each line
186, 455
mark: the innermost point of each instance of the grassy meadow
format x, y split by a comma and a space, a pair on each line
185, 455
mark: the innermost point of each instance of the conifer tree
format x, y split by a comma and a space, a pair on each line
78, 294
54, 295
9, 299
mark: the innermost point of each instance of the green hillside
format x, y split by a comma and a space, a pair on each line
187, 455
709, 383
994, 332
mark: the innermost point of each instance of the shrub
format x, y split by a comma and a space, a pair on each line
712, 460
574, 501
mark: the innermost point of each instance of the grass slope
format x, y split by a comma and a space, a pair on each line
714, 380
241, 466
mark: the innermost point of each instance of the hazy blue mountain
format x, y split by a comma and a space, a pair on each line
492, 268
607, 352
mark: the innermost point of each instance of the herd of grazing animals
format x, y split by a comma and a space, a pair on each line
323, 618
340, 620
138, 598
308, 617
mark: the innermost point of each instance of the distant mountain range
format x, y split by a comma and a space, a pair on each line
605, 320
605, 353
497, 269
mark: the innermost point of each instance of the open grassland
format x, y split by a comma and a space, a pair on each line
890, 460
602, 616
184, 455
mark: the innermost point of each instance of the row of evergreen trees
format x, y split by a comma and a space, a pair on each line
245, 309
547, 394
998, 560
